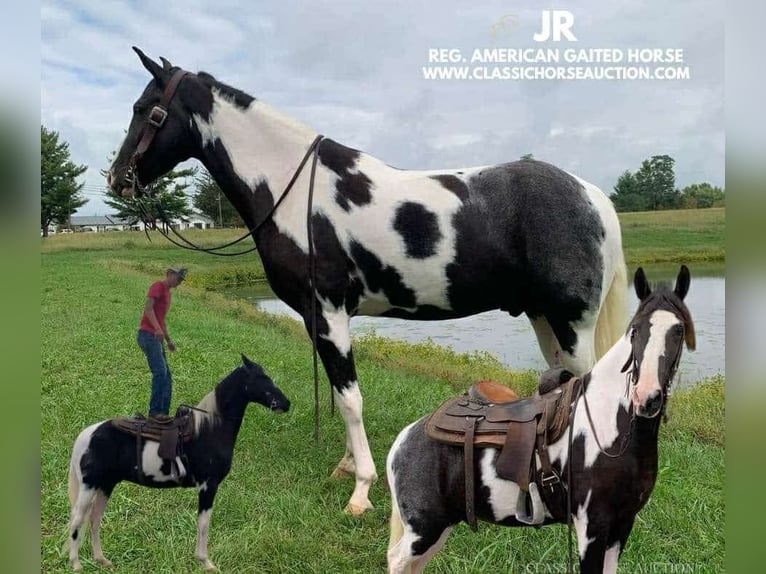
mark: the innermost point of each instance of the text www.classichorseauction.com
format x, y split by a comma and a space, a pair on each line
556, 64
650, 568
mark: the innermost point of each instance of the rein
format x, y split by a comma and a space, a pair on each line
312, 150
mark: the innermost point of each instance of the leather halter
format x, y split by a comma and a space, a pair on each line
157, 117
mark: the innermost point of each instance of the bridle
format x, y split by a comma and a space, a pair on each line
154, 121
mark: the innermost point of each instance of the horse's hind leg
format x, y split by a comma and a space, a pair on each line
402, 557
79, 514
96, 514
421, 562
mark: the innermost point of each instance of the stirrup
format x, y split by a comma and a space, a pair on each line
177, 468
538, 510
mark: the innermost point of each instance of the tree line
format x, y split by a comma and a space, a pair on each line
651, 187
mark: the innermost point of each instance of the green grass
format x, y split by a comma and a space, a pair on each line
278, 511
682, 236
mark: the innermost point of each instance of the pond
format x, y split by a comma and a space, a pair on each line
513, 341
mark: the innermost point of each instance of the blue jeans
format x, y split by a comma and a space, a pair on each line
162, 380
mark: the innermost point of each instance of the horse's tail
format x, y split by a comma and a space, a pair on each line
75, 474
74, 484
612, 316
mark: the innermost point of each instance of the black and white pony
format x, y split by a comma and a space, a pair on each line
104, 456
625, 392
524, 237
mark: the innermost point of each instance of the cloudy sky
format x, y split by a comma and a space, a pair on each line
353, 71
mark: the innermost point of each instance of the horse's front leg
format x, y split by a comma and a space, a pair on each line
334, 347
591, 540
207, 491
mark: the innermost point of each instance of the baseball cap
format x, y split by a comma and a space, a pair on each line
180, 271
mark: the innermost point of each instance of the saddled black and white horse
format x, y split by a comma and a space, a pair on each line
524, 237
427, 478
104, 456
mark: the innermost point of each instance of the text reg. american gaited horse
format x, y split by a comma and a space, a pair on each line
524, 237
104, 456
613, 458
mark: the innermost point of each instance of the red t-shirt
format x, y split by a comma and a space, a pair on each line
161, 295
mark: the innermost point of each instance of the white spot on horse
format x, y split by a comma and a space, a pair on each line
152, 463
610, 559
604, 406
266, 146
207, 411
648, 382
349, 402
203, 527
581, 526
337, 326
503, 494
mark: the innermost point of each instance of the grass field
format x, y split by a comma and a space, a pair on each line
686, 236
278, 511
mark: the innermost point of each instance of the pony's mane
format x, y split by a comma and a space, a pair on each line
663, 298
239, 97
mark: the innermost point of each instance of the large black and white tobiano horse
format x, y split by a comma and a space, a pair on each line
104, 456
524, 237
625, 392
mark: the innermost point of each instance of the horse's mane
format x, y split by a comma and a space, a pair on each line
239, 97
664, 298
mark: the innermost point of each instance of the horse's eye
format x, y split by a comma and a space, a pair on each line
632, 333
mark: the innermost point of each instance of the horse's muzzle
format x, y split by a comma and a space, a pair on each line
651, 408
122, 186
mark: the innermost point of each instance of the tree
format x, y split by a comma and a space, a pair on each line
59, 190
211, 201
527, 156
168, 199
701, 195
656, 181
627, 196
652, 187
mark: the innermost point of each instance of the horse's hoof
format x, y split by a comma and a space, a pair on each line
104, 562
76, 566
206, 564
340, 473
357, 510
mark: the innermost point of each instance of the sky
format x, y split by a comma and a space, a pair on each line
353, 71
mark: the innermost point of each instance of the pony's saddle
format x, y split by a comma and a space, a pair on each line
170, 432
491, 415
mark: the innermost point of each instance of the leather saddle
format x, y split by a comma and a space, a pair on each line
488, 415
170, 432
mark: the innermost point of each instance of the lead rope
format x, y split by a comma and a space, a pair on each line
312, 280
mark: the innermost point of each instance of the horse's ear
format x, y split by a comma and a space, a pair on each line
247, 362
641, 284
165, 64
682, 282
153, 67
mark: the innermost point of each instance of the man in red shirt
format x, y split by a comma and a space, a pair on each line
151, 334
